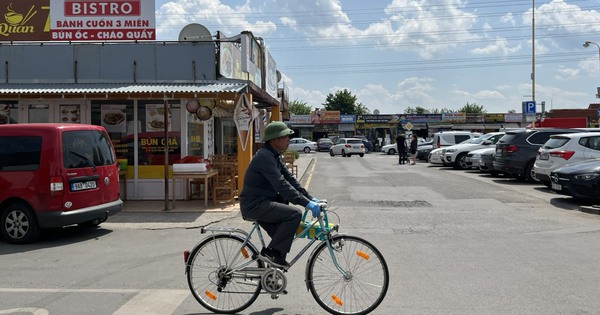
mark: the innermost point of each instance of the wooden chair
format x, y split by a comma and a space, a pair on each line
288, 159
224, 186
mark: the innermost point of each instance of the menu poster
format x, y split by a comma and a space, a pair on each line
155, 118
114, 118
70, 114
242, 115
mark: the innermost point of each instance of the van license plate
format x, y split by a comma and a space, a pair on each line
83, 185
556, 186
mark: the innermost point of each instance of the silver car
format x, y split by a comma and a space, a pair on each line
301, 144
347, 147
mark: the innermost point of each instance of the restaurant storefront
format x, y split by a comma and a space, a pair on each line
159, 101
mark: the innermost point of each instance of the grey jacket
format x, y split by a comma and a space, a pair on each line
267, 179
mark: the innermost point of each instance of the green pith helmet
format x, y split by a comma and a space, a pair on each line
275, 130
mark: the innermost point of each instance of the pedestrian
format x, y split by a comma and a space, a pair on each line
401, 145
267, 191
413, 149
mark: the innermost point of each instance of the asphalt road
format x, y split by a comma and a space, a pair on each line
456, 242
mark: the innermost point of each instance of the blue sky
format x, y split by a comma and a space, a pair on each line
396, 54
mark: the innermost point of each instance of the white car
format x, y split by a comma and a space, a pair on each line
347, 147
455, 154
436, 156
564, 149
301, 144
392, 149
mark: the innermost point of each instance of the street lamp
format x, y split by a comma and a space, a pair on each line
586, 45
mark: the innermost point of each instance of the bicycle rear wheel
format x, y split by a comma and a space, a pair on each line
364, 286
210, 278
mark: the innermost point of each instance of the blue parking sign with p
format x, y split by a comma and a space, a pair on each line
529, 107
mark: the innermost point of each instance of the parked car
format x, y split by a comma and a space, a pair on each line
368, 146
392, 149
564, 149
301, 144
55, 175
483, 160
447, 138
436, 156
579, 180
517, 149
424, 149
347, 147
324, 144
455, 155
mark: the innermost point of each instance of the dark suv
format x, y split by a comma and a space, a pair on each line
517, 149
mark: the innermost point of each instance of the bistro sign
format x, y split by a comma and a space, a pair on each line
106, 20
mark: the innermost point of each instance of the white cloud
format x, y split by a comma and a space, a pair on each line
499, 47
508, 19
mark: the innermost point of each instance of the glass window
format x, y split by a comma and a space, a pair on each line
20, 153
39, 113
86, 148
117, 118
9, 113
151, 139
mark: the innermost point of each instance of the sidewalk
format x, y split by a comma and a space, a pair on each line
188, 213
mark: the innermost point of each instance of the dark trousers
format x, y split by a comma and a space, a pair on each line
402, 156
279, 220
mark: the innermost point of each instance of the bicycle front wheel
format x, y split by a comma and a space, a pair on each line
363, 287
212, 278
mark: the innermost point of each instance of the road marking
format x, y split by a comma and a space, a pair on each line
38, 290
153, 302
32, 310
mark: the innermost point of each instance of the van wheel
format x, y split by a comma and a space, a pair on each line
331, 153
391, 151
19, 224
343, 153
306, 150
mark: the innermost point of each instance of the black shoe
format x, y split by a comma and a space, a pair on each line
273, 257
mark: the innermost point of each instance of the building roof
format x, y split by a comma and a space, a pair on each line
120, 88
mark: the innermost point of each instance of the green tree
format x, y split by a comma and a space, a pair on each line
344, 102
298, 107
441, 111
416, 110
472, 108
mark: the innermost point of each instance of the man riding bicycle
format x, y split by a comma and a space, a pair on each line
269, 188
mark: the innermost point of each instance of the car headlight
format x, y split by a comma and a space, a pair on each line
586, 176
450, 150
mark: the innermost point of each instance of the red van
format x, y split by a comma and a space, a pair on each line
53, 175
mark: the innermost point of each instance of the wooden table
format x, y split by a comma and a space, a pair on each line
193, 175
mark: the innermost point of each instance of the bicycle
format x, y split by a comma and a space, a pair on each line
345, 274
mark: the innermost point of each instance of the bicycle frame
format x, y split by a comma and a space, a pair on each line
323, 234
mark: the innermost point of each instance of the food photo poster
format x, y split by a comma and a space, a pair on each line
114, 118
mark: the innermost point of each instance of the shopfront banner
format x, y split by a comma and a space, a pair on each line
475, 118
102, 20
454, 117
24, 20
299, 119
347, 119
494, 118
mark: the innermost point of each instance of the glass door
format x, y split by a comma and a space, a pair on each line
56, 111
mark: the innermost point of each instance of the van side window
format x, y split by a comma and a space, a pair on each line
86, 148
461, 138
20, 153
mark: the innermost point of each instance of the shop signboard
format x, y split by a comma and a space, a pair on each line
105, 20
513, 117
25, 20
490, 118
243, 117
454, 117
475, 118
347, 119
299, 119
